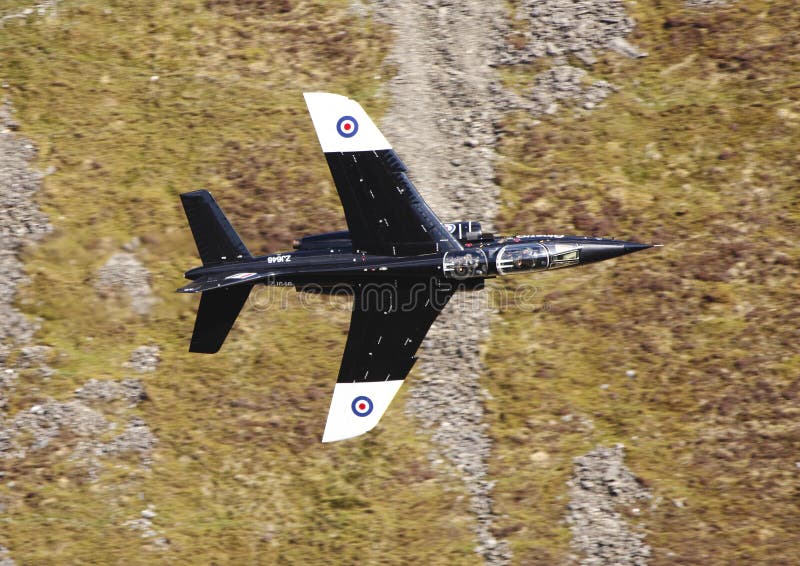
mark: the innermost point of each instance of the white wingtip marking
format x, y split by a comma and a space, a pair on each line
342, 125
357, 407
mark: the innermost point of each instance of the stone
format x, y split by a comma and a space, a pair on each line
124, 273
600, 484
621, 46
144, 359
128, 390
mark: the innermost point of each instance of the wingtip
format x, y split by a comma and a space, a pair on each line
204, 349
342, 125
196, 193
356, 408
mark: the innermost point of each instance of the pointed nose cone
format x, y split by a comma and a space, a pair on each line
602, 250
631, 247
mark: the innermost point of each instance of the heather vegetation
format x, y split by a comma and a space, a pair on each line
687, 355
132, 104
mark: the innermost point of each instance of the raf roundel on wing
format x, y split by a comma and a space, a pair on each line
362, 406
347, 126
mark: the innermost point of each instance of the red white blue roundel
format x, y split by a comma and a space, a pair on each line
362, 406
347, 126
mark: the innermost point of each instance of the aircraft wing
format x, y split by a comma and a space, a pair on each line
388, 324
385, 213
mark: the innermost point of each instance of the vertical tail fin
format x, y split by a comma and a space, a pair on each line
216, 239
215, 316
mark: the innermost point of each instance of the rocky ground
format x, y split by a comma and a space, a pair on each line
447, 89
40, 9
600, 488
20, 221
96, 426
143, 524
5, 559
124, 273
556, 28
707, 3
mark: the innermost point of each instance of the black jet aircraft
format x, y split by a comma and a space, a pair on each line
398, 260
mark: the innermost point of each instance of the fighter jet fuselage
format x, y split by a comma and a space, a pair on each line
397, 259
322, 261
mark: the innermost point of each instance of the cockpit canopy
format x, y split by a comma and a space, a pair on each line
515, 258
563, 254
528, 256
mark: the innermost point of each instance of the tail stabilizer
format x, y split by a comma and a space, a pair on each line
217, 241
215, 316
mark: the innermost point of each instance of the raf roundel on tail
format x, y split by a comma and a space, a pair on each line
397, 260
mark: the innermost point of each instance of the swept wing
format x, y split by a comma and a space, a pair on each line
385, 213
388, 324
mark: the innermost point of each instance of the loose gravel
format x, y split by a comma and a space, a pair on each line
50, 7
600, 487
143, 524
82, 419
557, 28
20, 222
144, 359
5, 558
441, 122
708, 3
131, 391
124, 273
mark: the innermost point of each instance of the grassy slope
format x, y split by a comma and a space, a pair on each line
696, 151
240, 475
699, 151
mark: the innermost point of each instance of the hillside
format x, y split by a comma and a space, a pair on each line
118, 445
688, 355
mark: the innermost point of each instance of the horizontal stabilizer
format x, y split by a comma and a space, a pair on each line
215, 281
215, 317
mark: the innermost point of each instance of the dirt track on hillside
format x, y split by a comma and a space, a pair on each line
440, 121
445, 102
